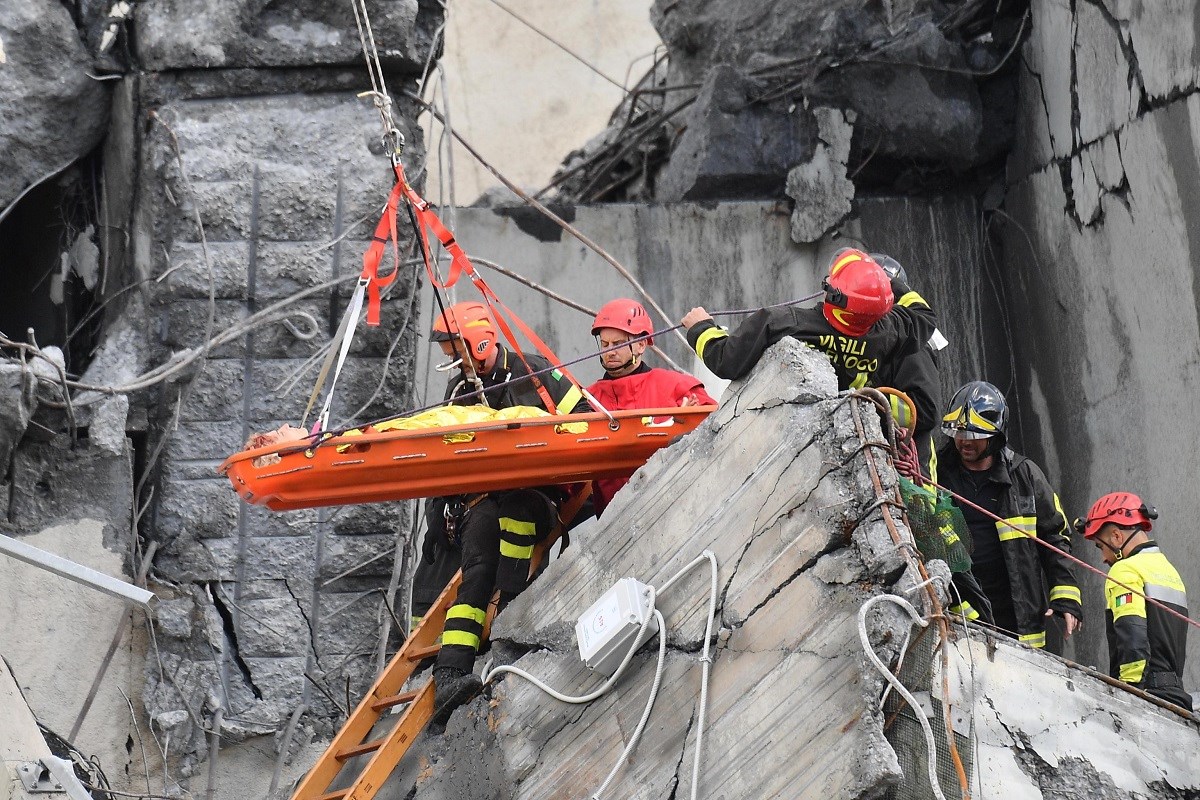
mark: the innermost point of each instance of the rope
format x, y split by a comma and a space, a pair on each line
379, 94
916, 563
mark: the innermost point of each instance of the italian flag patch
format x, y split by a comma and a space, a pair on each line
1123, 599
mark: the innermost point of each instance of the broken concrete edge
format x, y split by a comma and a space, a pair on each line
865, 562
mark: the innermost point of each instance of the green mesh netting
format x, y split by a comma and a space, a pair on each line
937, 525
904, 732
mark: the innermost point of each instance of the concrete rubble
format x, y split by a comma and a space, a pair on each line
820, 187
926, 88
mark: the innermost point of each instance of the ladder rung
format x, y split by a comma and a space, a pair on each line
365, 747
338, 795
395, 700
420, 653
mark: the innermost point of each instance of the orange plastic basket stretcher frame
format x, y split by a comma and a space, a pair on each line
507, 454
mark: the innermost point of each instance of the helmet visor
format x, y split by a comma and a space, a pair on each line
442, 336
965, 422
965, 433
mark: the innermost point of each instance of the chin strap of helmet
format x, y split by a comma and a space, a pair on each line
633, 359
1118, 552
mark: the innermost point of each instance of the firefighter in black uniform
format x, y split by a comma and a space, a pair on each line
1146, 645
873, 329
1014, 571
491, 535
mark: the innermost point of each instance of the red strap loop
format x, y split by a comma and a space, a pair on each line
385, 231
428, 221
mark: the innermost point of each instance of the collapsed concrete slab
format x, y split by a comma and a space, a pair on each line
777, 485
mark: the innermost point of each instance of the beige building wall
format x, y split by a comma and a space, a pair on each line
520, 100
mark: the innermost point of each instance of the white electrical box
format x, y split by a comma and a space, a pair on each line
606, 631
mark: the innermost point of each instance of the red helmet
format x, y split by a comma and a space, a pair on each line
857, 292
624, 315
1125, 509
473, 323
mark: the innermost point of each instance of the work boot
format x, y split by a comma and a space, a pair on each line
451, 688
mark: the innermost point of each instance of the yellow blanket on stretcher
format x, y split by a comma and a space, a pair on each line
444, 416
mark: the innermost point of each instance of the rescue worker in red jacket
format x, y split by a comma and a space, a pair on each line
872, 328
629, 382
1024, 582
1146, 645
491, 535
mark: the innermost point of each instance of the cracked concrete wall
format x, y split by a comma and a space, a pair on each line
262, 613
243, 171
775, 484
237, 169
1101, 265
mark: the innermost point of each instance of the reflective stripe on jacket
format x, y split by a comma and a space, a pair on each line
1143, 639
892, 353
1038, 577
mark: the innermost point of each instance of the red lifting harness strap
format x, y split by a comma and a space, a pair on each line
385, 231
459, 263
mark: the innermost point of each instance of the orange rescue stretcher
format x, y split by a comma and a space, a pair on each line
405, 464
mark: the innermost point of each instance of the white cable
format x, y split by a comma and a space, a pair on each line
932, 579
899, 664
907, 635
705, 670
637, 732
930, 743
590, 696
706, 666
356, 302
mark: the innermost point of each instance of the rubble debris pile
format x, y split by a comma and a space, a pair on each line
926, 91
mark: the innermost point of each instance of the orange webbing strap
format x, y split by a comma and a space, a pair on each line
429, 221
459, 264
492, 301
385, 231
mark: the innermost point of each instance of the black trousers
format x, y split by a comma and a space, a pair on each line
1167, 686
493, 540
